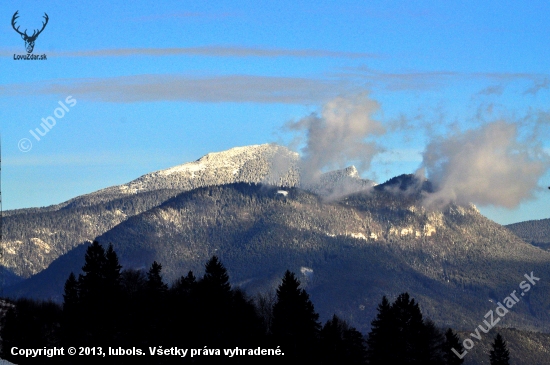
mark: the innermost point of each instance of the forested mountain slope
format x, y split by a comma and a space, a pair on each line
34, 237
348, 252
536, 232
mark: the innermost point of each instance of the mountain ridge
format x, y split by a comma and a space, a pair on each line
349, 252
350, 240
535, 232
34, 237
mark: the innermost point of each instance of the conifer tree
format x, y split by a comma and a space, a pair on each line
379, 341
214, 303
409, 342
295, 322
499, 355
184, 285
99, 295
215, 289
400, 335
92, 282
111, 270
133, 284
356, 350
155, 319
431, 343
215, 277
92, 295
71, 318
112, 297
341, 344
155, 285
70, 297
452, 342
182, 309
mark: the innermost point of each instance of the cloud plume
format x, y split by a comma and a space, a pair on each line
338, 136
490, 165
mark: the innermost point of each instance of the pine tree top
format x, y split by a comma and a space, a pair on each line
215, 275
499, 355
293, 312
154, 279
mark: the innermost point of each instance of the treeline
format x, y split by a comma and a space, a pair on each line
126, 310
110, 307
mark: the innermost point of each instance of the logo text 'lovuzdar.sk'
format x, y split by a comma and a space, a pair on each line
501, 310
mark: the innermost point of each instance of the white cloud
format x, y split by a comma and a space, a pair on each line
486, 166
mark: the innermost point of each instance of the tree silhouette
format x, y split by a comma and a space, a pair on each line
295, 322
70, 297
91, 284
379, 341
111, 271
153, 306
134, 296
98, 309
71, 318
92, 296
184, 286
209, 312
399, 334
213, 304
112, 297
182, 308
431, 344
499, 355
156, 287
341, 344
407, 322
452, 342
215, 277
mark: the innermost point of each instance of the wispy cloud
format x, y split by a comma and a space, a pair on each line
538, 86
400, 155
436, 79
149, 88
184, 15
492, 90
342, 133
212, 51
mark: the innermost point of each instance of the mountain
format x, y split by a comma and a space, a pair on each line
349, 240
34, 237
348, 252
335, 184
536, 232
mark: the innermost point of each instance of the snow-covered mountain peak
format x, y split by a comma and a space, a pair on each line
265, 163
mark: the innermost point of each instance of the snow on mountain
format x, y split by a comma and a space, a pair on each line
267, 163
32, 242
338, 183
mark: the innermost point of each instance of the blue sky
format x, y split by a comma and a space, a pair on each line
159, 84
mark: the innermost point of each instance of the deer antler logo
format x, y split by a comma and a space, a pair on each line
29, 40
